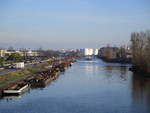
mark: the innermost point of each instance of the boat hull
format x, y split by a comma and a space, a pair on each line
13, 92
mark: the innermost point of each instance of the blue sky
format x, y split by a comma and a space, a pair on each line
56, 24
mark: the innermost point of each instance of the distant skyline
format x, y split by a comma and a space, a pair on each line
56, 24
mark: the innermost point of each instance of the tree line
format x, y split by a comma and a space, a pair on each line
140, 45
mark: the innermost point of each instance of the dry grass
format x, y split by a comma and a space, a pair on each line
20, 73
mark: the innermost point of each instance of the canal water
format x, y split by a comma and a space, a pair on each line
86, 87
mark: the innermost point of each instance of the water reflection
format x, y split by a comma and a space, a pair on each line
90, 68
141, 91
119, 71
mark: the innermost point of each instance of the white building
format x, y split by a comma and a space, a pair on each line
32, 53
29, 53
89, 51
95, 51
2, 53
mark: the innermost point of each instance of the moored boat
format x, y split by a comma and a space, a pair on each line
16, 89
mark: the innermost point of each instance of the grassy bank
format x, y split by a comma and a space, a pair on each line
20, 74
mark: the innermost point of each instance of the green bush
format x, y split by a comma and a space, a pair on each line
15, 57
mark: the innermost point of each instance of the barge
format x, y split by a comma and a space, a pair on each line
41, 81
16, 89
38, 79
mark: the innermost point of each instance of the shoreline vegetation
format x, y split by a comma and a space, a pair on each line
133, 68
117, 60
140, 45
139, 71
140, 49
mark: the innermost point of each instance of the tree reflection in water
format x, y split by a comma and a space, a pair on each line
141, 91
119, 71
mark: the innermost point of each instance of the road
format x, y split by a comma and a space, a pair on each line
5, 71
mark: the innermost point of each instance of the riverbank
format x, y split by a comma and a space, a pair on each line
116, 60
38, 76
14, 76
136, 70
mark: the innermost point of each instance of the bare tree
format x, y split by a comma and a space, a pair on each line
140, 44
